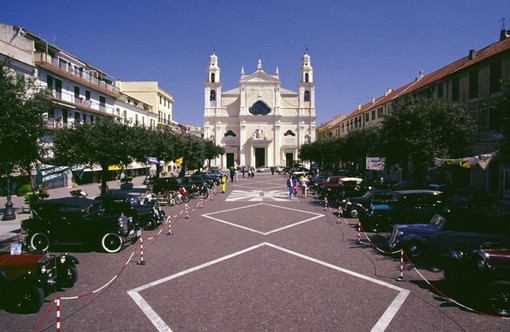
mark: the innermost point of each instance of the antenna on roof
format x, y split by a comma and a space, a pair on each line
502, 23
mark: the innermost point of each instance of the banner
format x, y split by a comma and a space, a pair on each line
482, 160
46, 173
151, 160
376, 163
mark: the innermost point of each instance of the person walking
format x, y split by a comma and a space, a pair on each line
303, 182
290, 186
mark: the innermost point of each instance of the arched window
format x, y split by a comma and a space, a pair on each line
259, 108
212, 95
306, 77
307, 95
213, 77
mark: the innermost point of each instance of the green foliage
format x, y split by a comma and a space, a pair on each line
22, 104
422, 129
24, 189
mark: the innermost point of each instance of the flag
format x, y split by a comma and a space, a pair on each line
151, 160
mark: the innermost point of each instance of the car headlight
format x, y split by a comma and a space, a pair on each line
62, 259
43, 269
343, 201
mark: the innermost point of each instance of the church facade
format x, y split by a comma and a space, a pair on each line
260, 123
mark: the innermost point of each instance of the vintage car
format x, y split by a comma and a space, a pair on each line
26, 279
331, 181
78, 221
484, 273
149, 215
209, 177
405, 207
166, 184
441, 235
352, 207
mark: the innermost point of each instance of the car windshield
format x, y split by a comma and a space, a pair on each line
438, 220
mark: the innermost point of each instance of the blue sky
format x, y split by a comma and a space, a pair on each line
358, 48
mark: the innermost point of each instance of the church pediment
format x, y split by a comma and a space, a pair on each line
259, 76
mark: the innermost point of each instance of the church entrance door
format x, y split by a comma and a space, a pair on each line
260, 157
230, 160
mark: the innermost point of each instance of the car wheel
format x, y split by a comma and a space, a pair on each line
414, 249
111, 243
204, 195
26, 299
67, 276
499, 298
185, 199
354, 213
40, 241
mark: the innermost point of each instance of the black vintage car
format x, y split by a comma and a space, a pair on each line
352, 207
78, 221
26, 279
166, 184
405, 207
442, 235
149, 215
483, 275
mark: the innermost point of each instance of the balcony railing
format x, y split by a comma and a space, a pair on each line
74, 73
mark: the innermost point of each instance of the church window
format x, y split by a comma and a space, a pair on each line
259, 108
230, 133
307, 95
213, 77
212, 95
306, 77
289, 133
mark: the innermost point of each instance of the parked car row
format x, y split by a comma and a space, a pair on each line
462, 230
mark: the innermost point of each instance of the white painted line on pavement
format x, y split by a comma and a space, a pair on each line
160, 325
316, 216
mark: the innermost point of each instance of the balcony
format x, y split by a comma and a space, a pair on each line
52, 64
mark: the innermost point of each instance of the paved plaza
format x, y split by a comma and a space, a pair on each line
251, 260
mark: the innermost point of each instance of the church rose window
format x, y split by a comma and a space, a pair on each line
259, 108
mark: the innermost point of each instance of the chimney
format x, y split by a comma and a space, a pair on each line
359, 106
373, 100
420, 76
388, 91
504, 34
472, 54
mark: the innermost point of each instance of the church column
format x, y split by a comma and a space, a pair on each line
277, 144
242, 144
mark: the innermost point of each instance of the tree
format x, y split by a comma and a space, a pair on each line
192, 149
22, 104
161, 144
360, 144
421, 129
104, 142
212, 151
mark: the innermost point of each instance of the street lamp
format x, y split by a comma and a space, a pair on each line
9, 208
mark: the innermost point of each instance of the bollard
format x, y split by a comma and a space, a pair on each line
186, 210
141, 262
57, 301
401, 277
339, 215
169, 221
325, 203
359, 233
